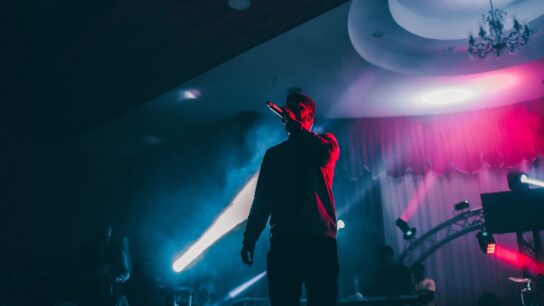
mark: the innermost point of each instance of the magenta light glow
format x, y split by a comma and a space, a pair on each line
418, 198
232, 216
518, 260
461, 89
493, 82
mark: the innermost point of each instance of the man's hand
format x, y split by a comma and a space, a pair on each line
292, 124
247, 254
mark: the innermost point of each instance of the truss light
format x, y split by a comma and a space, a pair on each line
462, 205
408, 232
531, 181
486, 242
517, 180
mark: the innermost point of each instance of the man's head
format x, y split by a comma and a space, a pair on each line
303, 107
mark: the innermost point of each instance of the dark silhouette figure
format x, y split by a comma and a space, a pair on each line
105, 266
144, 288
423, 285
294, 190
391, 278
489, 299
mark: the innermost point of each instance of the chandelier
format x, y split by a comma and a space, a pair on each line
492, 37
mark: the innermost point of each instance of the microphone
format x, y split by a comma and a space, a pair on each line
276, 110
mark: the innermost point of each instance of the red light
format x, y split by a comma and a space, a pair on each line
491, 248
519, 260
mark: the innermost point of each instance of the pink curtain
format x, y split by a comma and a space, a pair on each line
461, 270
500, 137
424, 165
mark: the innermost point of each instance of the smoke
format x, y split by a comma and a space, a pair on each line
239, 186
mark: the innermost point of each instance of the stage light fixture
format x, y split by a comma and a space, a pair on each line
461, 206
408, 232
486, 242
517, 180
340, 224
531, 181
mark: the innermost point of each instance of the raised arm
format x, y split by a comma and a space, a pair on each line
324, 148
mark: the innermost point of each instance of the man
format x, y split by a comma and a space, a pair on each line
423, 285
391, 277
105, 267
294, 190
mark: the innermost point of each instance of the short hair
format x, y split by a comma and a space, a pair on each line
294, 98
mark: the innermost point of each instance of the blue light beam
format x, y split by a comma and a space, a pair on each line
233, 215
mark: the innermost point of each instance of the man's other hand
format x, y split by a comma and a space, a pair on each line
247, 255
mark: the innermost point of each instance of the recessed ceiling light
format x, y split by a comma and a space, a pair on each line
189, 94
239, 5
377, 34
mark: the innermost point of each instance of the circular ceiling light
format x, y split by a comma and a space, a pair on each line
446, 96
239, 5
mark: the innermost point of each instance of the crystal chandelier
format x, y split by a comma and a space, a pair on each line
493, 38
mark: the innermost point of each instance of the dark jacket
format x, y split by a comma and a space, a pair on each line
294, 188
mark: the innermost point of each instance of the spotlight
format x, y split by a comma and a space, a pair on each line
409, 232
486, 242
462, 206
244, 286
531, 181
233, 215
517, 180
340, 224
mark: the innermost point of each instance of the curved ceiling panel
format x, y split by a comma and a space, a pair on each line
455, 19
381, 41
383, 93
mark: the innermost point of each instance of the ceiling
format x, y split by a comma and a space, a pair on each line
74, 65
147, 68
350, 73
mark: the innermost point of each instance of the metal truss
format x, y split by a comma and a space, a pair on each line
461, 224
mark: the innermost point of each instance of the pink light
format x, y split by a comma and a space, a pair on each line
418, 197
518, 260
494, 82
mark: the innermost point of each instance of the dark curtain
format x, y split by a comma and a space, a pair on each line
358, 203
